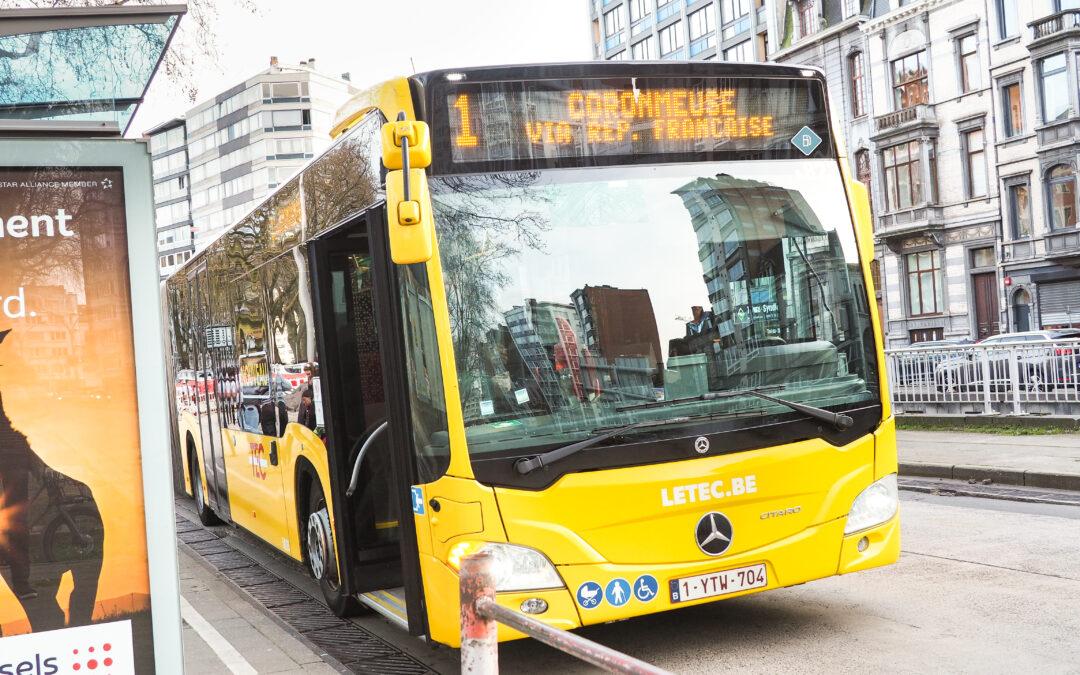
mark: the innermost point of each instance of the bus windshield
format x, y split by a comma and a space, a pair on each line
587, 299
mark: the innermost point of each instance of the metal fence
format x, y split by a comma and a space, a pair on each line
1006, 379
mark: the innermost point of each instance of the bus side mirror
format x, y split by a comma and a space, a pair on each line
864, 220
406, 150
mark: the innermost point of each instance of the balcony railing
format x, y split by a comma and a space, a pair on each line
1054, 24
923, 112
1063, 244
907, 222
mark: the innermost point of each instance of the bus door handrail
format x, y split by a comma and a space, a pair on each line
360, 457
481, 614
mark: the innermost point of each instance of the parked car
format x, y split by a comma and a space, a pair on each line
1039, 366
913, 367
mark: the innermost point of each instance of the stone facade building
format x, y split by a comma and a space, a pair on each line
963, 117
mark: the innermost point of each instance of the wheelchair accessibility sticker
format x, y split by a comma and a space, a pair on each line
417, 500
646, 588
590, 595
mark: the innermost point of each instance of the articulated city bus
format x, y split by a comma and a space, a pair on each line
609, 321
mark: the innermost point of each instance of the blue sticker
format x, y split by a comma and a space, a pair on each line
617, 592
806, 141
417, 501
590, 595
646, 587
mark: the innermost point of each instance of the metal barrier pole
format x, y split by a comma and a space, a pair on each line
570, 643
479, 632
481, 614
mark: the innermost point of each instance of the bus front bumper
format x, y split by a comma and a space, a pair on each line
815, 553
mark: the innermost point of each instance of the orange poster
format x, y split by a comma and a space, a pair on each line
72, 533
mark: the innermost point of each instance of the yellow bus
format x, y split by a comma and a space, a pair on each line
609, 321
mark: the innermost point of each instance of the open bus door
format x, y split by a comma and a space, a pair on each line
370, 462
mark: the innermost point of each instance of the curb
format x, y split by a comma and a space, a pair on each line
928, 422
999, 475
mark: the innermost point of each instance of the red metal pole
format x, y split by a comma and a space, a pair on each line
479, 633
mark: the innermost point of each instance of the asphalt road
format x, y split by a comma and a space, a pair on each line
981, 586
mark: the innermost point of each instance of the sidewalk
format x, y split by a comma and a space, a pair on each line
1051, 461
224, 632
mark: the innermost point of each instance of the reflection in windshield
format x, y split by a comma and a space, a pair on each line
577, 295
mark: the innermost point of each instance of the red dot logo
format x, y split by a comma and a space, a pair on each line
108, 662
91, 664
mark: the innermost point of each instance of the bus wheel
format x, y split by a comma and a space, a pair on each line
320, 553
206, 514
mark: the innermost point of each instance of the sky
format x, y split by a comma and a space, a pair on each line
365, 38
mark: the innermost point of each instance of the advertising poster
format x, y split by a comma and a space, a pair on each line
73, 560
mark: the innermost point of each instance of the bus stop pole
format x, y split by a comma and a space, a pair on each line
479, 632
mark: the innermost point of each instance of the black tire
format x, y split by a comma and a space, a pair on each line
61, 544
206, 514
339, 603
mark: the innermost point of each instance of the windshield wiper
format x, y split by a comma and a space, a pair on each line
524, 466
838, 420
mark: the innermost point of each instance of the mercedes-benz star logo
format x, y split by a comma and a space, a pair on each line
106, 183
701, 445
713, 533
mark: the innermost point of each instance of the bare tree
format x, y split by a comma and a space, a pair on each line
82, 50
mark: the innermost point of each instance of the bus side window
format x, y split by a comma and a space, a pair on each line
253, 376
291, 348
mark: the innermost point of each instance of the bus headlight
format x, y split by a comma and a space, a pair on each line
515, 568
874, 505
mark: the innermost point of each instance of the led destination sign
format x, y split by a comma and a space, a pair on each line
647, 118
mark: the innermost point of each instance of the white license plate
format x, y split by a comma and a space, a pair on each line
718, 583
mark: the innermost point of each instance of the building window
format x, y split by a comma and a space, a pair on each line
1054, 88
851, 8
613, 23
702, 23
1012, 110
903, 176
734, 17
967, 50
858, 85
1008, 19
982, 257
671, 38
1019, 198
643, 50
862, 173
805, 10
740, 52
702, 27
1061, 186
639, 9
975, 163
924, 283
910, 81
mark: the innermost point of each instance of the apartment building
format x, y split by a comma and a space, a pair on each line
963, 117
214, 164
729, 30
